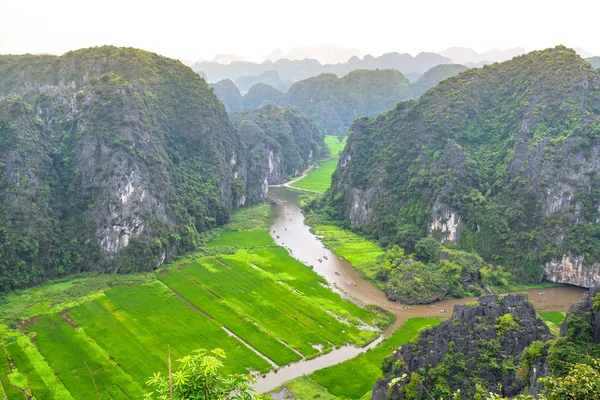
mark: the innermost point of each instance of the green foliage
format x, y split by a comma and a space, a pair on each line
505, 323
199, 376
333, 103
487, 146
581, 383
427, 250
596, 302
495, 276
109, 123
280, 142
434, 76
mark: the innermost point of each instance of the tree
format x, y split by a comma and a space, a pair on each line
582, 383
198, 377
596, 302
427, 249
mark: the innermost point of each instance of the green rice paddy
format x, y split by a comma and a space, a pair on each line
354, 378
359, 251
318, 178
91, 337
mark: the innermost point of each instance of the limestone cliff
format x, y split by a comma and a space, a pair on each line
122, 158
501, 160
480, 346
281, 143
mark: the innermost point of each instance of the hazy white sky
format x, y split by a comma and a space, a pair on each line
253, 28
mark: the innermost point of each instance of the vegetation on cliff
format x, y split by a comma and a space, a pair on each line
499, 160
281, 143
112, 159
475, 352
335, 102
229, 95
434, 76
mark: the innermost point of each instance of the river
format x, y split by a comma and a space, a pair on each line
290, 231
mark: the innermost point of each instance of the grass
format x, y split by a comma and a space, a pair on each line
318, 178
354, 378
58, 295
10, 391
283, 296
359, 251
306, 389
516, 287
556, 317
34, 381
243, 239
335, 145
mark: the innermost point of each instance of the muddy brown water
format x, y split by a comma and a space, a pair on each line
290, 231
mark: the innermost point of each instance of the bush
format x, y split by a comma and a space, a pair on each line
427, 250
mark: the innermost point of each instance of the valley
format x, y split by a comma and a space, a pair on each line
248, 291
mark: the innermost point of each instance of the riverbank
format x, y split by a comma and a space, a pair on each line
290, 231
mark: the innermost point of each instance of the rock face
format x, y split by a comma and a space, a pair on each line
572, 270
335, 102
229, 95
113, 159
480, 344
585, 309
281, 143
502, 160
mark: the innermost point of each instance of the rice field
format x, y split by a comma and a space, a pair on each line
318, 178
261, 306
336, 146
354, 378
359, 251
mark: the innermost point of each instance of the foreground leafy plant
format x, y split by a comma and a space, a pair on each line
198, 377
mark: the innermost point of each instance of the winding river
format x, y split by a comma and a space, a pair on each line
290, 231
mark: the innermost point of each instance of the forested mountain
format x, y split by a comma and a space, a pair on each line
335, 102
501, 160
229, 95
434, 76
281, 142
261, 94
112, 159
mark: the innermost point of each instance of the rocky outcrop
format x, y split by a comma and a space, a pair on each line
261, 94
572, 270
113, 159
229, 95
335, 102
497, 160
585, 309
446, 222
480, 344
281, 143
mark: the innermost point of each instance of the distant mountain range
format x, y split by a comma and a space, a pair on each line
281, 69
295, 70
